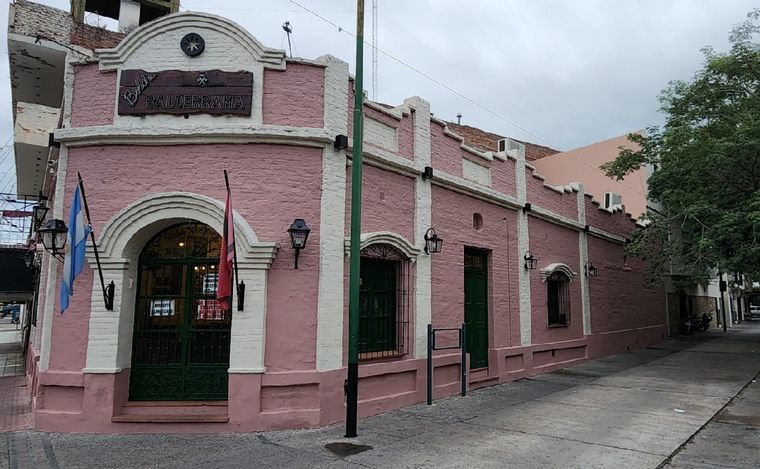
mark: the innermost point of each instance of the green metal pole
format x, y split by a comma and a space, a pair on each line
352, 391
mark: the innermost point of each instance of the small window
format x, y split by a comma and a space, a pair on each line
477, 221
558, 299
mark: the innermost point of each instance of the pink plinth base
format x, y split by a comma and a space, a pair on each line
86, 403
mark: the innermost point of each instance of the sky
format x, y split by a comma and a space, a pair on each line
554, 72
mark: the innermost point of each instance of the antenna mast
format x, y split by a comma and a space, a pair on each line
288, 29
374, 50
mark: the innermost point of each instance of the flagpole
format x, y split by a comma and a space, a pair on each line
107, 293
239, 287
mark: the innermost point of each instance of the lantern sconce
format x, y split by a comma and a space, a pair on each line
530, 261
53, 235
299, 233
38, 214
29, 259
590, 269
433, 243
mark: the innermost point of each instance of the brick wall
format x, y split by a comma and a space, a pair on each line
94, 96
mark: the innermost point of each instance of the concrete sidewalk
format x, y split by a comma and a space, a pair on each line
639, 409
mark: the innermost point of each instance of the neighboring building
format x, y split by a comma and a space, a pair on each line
152, 123
582, 165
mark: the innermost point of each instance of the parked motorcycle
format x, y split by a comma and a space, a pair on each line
692, 323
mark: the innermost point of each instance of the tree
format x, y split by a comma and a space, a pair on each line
706, 162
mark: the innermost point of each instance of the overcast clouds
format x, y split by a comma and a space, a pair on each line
570, 72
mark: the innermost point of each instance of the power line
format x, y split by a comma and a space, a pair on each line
455, 92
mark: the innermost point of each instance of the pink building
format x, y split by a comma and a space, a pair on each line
151, 124
582, 164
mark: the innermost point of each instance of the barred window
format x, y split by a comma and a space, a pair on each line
558, 299
384, 302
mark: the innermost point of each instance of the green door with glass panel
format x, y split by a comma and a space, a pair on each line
181, 342
476, 306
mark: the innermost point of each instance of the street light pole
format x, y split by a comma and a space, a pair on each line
352, 391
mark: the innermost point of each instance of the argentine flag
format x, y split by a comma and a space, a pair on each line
77, 240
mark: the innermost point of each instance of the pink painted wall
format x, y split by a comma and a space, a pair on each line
453, 220
446, 155
620, 297
266, 192
94, 96
565, 204
503, 176
619, 223
582, 165
387, 202
294, 97
550, 243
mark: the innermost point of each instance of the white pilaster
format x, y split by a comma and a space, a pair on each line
423, 219
330, 301
523, 244
583, 250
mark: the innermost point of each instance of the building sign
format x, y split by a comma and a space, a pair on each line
178, 92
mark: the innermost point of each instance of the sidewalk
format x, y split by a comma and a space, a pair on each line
634, 410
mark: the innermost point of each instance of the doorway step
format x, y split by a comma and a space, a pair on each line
479, 378
173, 412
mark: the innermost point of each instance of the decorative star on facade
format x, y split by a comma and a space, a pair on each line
202, 79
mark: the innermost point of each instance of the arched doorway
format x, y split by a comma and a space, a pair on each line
181, 341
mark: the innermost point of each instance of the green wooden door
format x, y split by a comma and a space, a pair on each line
181, 342
476, 306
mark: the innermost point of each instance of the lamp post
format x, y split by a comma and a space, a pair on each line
352, 382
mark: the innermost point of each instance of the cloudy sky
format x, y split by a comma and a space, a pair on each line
559, 73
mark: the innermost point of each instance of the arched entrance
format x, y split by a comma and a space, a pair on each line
181, 341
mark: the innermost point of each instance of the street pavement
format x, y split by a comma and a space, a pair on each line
688, 403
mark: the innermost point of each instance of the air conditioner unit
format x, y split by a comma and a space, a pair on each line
612, 200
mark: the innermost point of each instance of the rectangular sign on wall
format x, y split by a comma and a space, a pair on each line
181, 92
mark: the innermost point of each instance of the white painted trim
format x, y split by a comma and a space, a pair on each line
147, 134
330, 301
246, 371
330, 296
394, 113
101, 371
386, 237
606, 235
557, 267
555, 218
123, 237
523, 245
51, 287
583, 249
112, 59
423, 219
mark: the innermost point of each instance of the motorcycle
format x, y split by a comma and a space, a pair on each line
693, 323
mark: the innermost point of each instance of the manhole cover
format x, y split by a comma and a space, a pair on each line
346, 449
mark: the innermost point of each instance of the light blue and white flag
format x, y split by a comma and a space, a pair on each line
76, 240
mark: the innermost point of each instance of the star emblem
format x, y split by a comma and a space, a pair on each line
202, 79
192, 44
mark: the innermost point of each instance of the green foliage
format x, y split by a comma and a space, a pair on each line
707, 166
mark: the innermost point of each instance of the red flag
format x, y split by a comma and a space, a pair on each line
224, 287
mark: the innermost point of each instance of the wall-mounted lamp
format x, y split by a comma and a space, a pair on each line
590, 269
341, 142
427, 173
53, 235
38, 215
433, 243
299, 233
29, 259
530, 261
